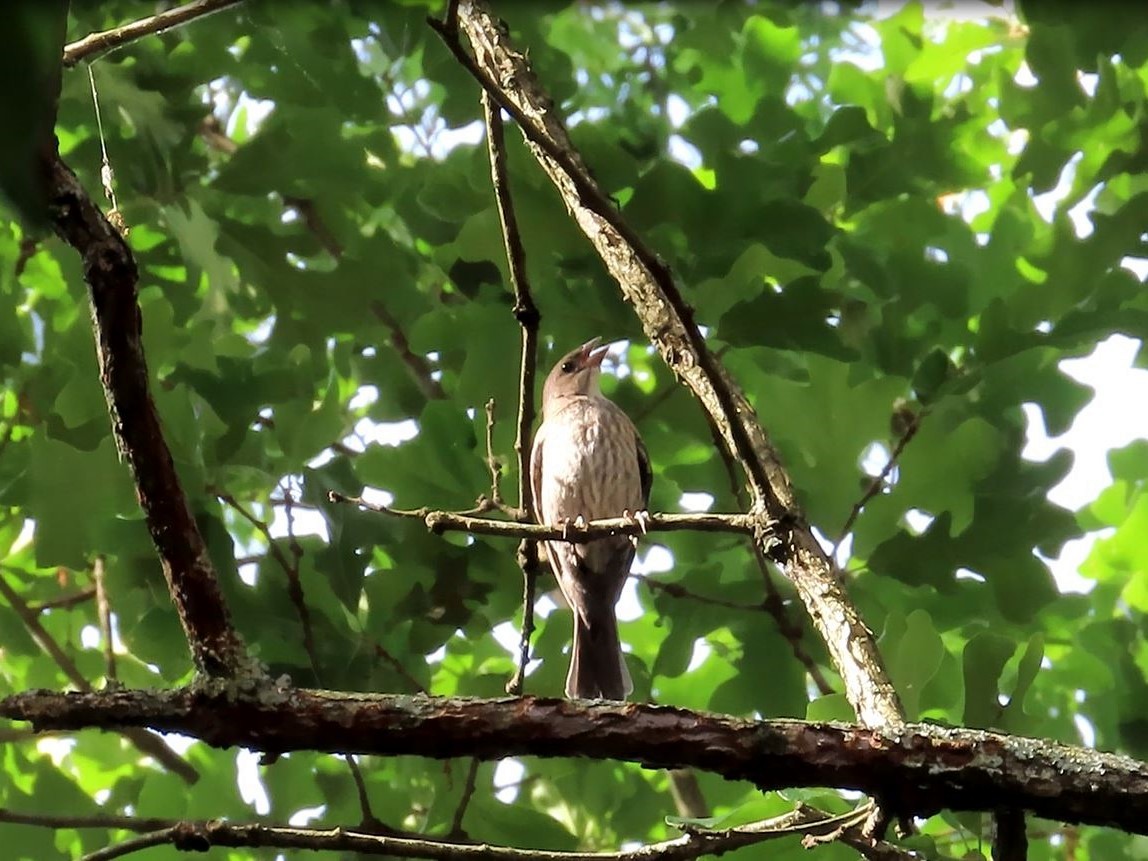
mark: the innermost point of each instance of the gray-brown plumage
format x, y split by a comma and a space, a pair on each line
588, 461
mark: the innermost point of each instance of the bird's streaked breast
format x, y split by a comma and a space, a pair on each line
589, 462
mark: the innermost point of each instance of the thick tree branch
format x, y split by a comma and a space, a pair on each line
917, 769
95, 44
110, 271
454, 521
668, 321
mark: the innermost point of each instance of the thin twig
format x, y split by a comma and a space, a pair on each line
291, 570
878, 482
491, 461
676, 590
135, 844
145, 741
104, 614
65, 602
193, 835
773, 602
420, 369
369, 821
574, 532
531, 566
398, 667
95, 44
308, 210
468, 786
526, 313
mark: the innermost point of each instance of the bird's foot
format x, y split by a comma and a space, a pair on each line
578, 522
640, 517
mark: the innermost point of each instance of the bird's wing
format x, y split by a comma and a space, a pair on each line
645, 473
536, 472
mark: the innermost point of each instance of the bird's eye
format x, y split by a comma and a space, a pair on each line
567, 367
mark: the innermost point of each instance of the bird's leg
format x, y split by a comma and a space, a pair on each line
640, 517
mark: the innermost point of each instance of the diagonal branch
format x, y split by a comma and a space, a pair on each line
146, 742
290, 571
110, 271
913, 424
669, 323
918, 769
95, 44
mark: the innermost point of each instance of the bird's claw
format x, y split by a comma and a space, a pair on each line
578, 522
640, 517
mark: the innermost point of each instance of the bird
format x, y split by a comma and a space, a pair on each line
587, 462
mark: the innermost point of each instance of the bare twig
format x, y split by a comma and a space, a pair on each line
491, 461
676, 590
136, 844
291, 570
526, 313
878, 482
65, 602
773, 603
531, 566
108, 821
420, 369
398, 667
145, 741
104, 614
95, 44
308, 210
369, 821
112, 277
575, 533
456, 830
193, 835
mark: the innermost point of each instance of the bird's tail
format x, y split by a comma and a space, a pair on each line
597, 668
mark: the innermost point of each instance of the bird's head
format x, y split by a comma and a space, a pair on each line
575, 374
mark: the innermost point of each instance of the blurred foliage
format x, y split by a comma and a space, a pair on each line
848, 199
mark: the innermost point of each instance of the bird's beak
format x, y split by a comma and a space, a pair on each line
591, 355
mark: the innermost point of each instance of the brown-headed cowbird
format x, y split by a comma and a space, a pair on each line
588, 462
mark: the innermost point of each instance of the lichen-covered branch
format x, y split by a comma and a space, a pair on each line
668, 321
110, 271
917, 769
